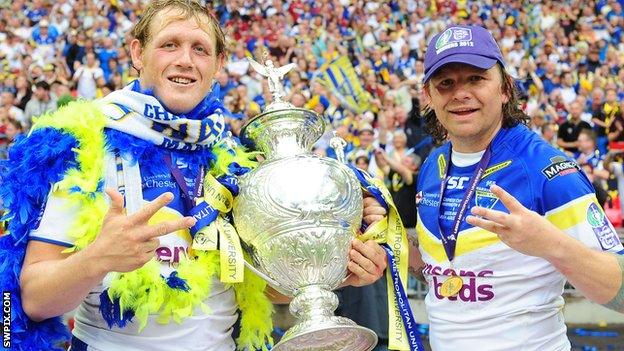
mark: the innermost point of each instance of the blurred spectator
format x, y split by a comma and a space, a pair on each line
549, 133
35, 11
364, 146
536, 123
105, 54
401, 175
23, 91
88, 77
7, 103
590, 160
11, 129
40, 103
44, 34
567, 136
599, 118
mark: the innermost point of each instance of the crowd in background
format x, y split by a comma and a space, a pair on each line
567, 58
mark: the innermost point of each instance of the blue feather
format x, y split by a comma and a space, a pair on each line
111, 311
176, 282
25, 179
236, 169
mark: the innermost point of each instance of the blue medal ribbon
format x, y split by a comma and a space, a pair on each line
362, 176
449, 240
187, 200
204, 214
411, 327
372, 189
230, 182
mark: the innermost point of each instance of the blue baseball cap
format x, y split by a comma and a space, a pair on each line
471, 45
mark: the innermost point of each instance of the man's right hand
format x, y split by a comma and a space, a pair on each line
127, 242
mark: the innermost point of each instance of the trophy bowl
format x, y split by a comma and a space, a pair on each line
296, 215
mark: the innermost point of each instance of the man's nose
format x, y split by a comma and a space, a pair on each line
461, 92
185, 58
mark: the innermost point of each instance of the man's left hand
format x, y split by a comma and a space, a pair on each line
367, 260
367, 263
373, 211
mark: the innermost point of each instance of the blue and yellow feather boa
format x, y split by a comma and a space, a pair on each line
67, 149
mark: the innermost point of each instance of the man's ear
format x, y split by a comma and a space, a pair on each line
426, 94
220, 62
506, 92
507, 87
136, 51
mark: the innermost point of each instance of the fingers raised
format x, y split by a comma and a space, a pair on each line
492, 215
117, 201
509, 201
164, 228
146, 212
485, 224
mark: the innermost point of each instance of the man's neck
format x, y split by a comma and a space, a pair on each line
476, 144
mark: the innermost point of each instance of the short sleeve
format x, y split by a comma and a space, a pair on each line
56, 218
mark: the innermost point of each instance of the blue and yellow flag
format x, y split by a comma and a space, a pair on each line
342, 80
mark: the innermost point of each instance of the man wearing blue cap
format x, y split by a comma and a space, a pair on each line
490, 292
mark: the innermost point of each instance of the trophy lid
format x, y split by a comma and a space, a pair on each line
283, 132
282, 129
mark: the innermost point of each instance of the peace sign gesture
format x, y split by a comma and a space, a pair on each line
127, 242
521, 229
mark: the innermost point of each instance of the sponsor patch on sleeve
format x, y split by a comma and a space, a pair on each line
605, 234
560, 166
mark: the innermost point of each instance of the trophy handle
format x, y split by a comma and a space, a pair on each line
275, 285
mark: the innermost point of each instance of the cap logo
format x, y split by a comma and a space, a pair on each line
454, 37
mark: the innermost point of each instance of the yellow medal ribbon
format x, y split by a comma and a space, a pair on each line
390, 230
232, 260
221, 231
217, 195
206, 238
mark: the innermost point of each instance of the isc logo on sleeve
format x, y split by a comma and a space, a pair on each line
456, 182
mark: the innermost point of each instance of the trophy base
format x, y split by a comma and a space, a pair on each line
327, 334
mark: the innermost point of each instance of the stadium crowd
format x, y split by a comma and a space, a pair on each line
566, 57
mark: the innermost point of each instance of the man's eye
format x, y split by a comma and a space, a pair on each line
445, 83
168, 45
200, 49
476, 78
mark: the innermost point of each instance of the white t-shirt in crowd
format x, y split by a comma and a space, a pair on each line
87, 83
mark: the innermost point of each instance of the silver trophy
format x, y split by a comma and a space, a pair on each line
296, 215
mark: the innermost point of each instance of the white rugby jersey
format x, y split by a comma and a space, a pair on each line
209, 330
509, 301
